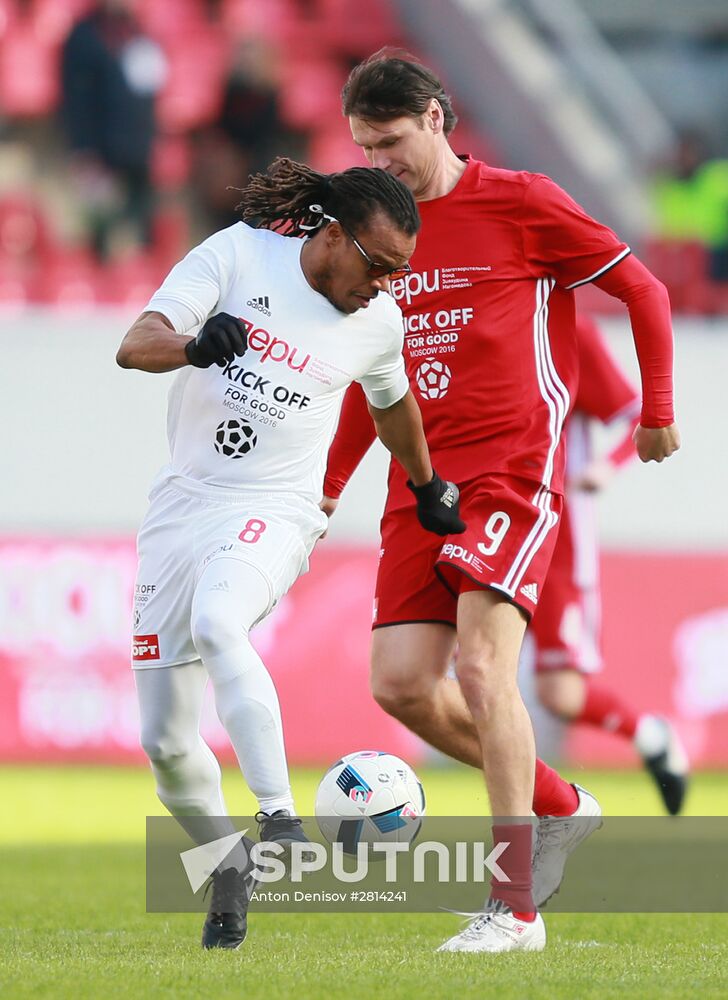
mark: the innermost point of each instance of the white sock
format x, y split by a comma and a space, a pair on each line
249, 710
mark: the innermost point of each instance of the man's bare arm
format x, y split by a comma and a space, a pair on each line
152, 345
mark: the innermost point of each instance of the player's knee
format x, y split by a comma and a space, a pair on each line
214, 633
164, 750
561, 692
399, 694
482, 685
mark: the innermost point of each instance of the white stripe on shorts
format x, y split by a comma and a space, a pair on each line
556, 396
547, 519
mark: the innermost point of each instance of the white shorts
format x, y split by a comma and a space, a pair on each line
187, 527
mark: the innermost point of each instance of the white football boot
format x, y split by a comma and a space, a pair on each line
664, 757
556, 838
496, 929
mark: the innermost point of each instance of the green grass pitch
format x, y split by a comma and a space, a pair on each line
72, 920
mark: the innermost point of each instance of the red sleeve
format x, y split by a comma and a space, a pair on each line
649, 312
561, 241
604, 392
352, 441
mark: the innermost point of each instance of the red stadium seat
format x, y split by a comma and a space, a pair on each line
16, 281
275, 19
193, 92
719, 298
68, 277
683, 267
25, 233
171, 162
52, 19
29, 85
357, 29
9, 15
131, 281
310, 91
166, 20
331, 149
171, 238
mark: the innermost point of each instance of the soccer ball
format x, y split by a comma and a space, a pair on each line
369, 797
234, 439
433, 379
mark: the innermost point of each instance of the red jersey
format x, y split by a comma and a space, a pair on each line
490, 345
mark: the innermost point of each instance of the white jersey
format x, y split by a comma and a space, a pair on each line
265, 421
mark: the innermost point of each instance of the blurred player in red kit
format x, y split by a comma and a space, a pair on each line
490, 351
566, 626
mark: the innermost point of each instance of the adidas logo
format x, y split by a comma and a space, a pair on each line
449, 497
222, 585
261, 303
530, 590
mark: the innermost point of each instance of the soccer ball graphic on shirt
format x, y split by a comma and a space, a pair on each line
369, 797
234, 439
433, 378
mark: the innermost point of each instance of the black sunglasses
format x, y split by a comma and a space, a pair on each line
374, 267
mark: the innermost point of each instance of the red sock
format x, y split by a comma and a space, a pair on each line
605, 709
552, 796
516, 864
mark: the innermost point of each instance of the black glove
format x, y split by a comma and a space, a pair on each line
438, 506
221, 339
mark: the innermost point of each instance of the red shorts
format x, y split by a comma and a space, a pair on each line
507, 546
566, 627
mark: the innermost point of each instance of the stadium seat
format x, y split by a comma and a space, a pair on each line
171, 237
331, 149
683, 267
193, 92
171, 162
29, 84
357, 29
25, 233
719, 298
9, 15
276, 20
52, 19
167, 20
16, 282
310, 91
67, 278
130, 281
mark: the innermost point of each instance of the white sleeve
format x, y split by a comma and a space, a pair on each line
194, 286
386, 381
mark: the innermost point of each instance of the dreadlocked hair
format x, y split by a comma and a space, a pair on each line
282, 197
